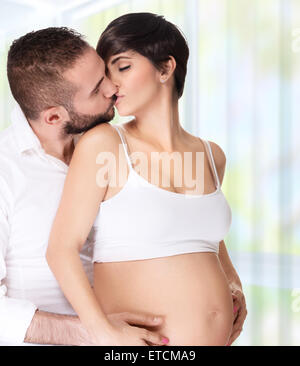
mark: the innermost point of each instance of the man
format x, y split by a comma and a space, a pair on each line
55, 103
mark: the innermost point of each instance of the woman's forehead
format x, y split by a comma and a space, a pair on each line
122, 55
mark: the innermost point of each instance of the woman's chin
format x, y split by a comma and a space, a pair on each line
123, 112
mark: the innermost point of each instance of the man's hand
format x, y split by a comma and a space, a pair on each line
60, 329
239, 309
123, 333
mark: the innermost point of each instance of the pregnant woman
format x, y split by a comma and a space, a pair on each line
156, 245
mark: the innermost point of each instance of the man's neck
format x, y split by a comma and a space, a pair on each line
60, 151
54, 142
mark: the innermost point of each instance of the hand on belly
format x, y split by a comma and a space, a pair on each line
190, 292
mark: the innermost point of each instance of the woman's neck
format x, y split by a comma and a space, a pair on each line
159, 124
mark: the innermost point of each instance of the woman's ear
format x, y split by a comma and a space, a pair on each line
169, 67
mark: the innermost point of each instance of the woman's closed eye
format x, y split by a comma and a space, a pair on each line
124, 68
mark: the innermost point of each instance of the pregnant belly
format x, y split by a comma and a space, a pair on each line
190, 291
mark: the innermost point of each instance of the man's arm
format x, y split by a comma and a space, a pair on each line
59, 329
49, 328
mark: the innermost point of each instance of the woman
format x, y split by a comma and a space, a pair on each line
156, 245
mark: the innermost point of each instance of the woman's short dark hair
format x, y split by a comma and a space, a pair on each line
149, 35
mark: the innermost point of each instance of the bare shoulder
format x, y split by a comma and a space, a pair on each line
87, 156
100, 138
219, 158
218, 153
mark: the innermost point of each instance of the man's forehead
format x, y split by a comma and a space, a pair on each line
88, 67
88, 59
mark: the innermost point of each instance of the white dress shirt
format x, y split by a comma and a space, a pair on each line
31, 184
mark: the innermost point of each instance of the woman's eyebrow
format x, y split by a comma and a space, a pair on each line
118, 58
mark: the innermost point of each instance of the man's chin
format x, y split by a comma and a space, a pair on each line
99, 122
112, 114
72, 127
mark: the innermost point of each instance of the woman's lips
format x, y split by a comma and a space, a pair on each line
119, 98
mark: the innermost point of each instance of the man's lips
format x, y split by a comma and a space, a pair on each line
119, 98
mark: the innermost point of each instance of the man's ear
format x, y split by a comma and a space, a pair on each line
55, 115
169, 67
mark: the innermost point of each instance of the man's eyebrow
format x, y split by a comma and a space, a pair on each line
118, 58
97, 85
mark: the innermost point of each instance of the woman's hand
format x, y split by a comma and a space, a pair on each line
239, 309
122, 333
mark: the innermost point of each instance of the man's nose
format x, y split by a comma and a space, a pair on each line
109, 88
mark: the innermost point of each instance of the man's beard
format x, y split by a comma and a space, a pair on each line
80, 122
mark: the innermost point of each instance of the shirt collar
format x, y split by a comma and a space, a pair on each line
25, 138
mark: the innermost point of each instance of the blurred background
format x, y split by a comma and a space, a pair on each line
242, 92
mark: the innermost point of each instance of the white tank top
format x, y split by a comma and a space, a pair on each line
144, 221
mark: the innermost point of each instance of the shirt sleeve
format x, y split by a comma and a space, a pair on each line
15, 314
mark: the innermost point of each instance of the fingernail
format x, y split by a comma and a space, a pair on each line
165, 340
156, 319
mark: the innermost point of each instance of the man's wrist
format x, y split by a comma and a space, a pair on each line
51, 328
68, 330
93, 334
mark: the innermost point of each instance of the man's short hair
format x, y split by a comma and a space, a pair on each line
35, 64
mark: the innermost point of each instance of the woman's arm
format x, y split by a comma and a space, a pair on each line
239, 301
220, 160
79, 205
227, 265
238, 297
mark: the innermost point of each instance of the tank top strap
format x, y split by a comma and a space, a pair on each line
213, 164
124, 145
